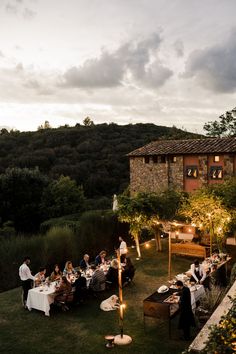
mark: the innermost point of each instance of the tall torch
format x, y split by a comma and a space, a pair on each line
121, 339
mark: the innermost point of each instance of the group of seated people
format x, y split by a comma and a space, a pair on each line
72, 282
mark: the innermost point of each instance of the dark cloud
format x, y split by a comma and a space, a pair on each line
214, 68
138, 60
107, 71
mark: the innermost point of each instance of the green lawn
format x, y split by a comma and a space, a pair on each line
82, 329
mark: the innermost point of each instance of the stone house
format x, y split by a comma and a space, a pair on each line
184, 164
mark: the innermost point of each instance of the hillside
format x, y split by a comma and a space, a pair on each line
95, 156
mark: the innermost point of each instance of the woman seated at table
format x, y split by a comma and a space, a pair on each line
56, 273
198, 274
129, 271
40, 276
112, 274
100, 258
98, 280
69, 269
64, 293
84, 263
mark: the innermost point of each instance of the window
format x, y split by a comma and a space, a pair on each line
173, 159
155, 159
162, 159
191, 171
146, 159
216, 172
216, 158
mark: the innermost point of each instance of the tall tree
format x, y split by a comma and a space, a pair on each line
226, 126
88, 122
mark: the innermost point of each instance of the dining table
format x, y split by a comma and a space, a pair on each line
41, 297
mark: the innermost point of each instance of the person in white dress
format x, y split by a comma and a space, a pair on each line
122, 249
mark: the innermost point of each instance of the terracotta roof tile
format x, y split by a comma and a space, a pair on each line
189, 146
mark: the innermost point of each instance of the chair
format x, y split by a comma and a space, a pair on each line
64, 299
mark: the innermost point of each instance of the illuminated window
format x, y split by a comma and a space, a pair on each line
191, 171
216, 158
216, 172
173, 159
146, 159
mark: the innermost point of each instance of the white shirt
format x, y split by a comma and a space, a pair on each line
123, 247
201, 272
25, 273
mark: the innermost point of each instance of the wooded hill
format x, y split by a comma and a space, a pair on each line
95, 156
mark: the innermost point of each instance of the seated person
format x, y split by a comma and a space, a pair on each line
40, 276
98, 280
198, 274
69, 269
100, 258
56, 273
129, 271
84, 263
64, 293
80, 287
112, 274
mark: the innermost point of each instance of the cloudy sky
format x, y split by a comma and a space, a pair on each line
169, 62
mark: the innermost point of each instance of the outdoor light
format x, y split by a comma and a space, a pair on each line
147, 245
121, 339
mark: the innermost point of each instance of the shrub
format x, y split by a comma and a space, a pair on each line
222, 337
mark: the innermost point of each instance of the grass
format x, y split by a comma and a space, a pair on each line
82, 329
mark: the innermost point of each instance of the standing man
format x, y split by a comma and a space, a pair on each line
186, 318
26, 278
123, 249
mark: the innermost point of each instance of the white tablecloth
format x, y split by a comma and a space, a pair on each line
196, 291
41, 298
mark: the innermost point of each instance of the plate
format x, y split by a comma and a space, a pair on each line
162, 291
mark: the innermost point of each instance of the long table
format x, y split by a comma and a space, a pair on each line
41, 298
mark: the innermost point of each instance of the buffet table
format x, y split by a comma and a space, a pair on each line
157, 305
41, 298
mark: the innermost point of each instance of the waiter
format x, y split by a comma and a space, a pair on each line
26, 278
186, 318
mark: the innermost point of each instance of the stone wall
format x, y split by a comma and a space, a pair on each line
153, 175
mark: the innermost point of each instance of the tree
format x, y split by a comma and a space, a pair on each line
21, 191
148, 210
225, 127
130, 210
88, 122
45, 125
207, 212
62, 197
